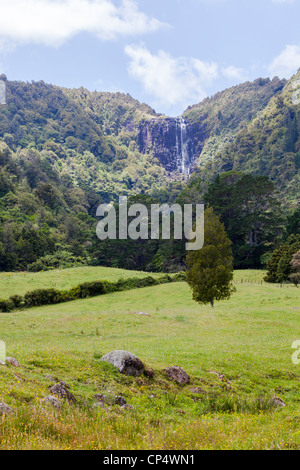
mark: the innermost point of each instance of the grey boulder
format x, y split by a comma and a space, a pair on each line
53, 401
5, 409
126, 362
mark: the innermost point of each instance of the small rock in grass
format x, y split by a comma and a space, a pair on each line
99, 405
149, 373
127, 407
62, 392
102, 407
220, 376
143, 314
197, 390
50, 378
120, 401
99, 398
5, 409
53, 401
126, 362
12, 361
55, 380
278, 402
64, 384
177, 374
103, 399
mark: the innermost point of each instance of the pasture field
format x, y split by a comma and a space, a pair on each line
238, 356
18, 283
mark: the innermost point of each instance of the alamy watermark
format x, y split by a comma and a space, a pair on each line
296, 355
138, 222
2, 351
2, 92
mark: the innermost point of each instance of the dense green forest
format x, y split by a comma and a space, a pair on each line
269, 145
63, 152
217, 120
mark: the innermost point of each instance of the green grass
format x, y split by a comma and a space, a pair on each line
61, 279
238, 353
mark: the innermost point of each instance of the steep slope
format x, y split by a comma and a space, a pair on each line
204, 129
63, 152
160, 139
269, 145
89, 138
216, 121
111, 143
113, 112
37, 112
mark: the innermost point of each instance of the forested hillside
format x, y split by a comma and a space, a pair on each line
72, 132
63, 152
269, 145
217, 120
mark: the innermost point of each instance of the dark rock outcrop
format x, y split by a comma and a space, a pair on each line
177, 374
169, 140
62, 391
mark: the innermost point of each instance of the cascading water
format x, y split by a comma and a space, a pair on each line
170, 142
183, 160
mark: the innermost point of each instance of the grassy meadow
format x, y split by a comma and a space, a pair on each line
238, 356
18, 283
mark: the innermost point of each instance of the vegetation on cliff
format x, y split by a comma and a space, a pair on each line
63, 152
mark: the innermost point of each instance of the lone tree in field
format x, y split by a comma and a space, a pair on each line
295, 263
210, 270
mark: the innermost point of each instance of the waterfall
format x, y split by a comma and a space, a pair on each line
183, 160
170, 141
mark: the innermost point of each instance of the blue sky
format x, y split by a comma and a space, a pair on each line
167, 53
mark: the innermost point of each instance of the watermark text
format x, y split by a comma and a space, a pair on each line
2, 351
296, 355
2, 92
138, 222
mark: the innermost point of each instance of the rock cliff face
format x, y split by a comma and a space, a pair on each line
169, 140
206, 129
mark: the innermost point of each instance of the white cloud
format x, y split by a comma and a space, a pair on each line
51, 22
286, 63
234, 73
175, 82
171, 81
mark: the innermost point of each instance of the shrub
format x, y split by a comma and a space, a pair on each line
41, 297
147, 282
6, 306
165, 279
135, 283
91, 289
179, 277
17, 300
125, 284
